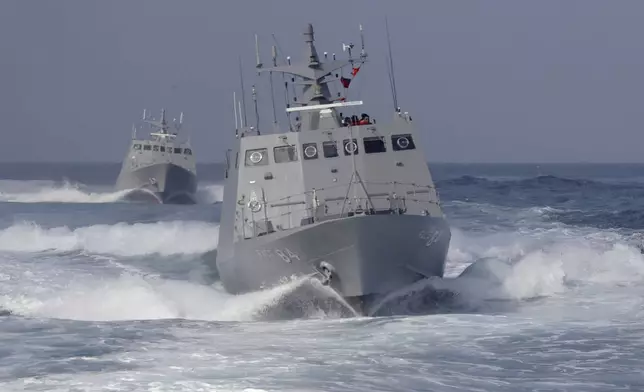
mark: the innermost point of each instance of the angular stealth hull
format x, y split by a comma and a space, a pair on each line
368, 256
334, 196
164, 183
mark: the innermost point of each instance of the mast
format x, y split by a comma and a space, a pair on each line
270, 75
316, 99
240, 112
390, 68
315, 76
235, 110
256, 110
164, 126
241, 80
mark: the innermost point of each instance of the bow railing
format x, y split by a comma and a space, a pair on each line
264, 216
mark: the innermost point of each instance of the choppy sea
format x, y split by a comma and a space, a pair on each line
98, 294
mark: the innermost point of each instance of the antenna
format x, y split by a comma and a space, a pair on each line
274, 55
288, 104
241, 120
259, 63
235, 110
256, 111
270, 75
392, 75
241, 79
144, 110
363, 54
163, 123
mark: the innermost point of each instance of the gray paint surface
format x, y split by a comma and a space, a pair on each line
370, 215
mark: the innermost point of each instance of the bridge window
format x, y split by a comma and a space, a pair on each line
350, 146
374, 144
137, 147
162, 148
147, 147
402, 142
155, 148
187, 151
177, 150
257, 157
330, 149
285, 154
310, 150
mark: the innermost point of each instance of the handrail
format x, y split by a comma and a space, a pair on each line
303, 207
309, 209
394, 183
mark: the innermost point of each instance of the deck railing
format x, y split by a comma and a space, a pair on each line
262, 216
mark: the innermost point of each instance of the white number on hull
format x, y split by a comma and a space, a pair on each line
285, 254
282, 255
429, 236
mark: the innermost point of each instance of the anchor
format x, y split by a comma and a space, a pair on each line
327, 272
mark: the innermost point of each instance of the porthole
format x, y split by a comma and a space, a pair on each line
403, 142
310, 150
256, 157
350, 146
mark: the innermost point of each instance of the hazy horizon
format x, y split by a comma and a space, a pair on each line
494, 82
464, 163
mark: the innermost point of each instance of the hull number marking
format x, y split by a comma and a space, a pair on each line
285, 254
429, 236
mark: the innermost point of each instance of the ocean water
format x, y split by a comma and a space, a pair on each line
97, 294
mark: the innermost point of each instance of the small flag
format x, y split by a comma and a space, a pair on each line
345, 82
354, 71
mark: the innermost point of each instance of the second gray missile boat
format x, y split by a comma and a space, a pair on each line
335, 195
159, 169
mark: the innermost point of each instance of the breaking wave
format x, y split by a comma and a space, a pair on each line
487, 273
135, 297
498, 272
122, 239
68, 192
50, 192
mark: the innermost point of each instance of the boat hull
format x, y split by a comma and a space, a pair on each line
368, 256
164, 183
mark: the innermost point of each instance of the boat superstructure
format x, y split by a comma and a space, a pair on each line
159, 168
335, 195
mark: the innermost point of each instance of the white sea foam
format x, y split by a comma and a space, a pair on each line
122, 239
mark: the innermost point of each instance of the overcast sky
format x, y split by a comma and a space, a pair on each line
485, 81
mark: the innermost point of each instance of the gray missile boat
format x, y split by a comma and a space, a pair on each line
159, 169
334, 196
